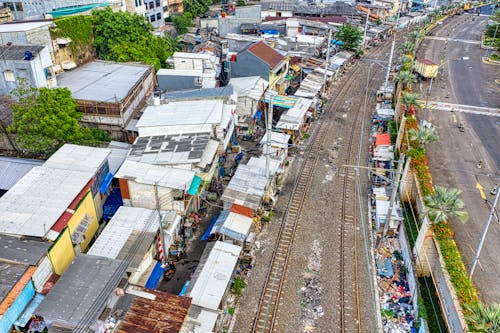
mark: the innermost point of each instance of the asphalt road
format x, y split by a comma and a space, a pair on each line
453, 159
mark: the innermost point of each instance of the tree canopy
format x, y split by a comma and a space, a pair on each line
443, 204
44, 119
183, 22
350, 36
196, 7
121, 36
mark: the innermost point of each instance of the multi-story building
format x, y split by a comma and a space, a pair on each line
152, 10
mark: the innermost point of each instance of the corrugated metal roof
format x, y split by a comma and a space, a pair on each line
266, 53
23, 251
199, 93
252, 86
163, 314
199, 320
13, 169
278, 139
80, 295
23, 26
213, 274
153, 174
246, 187
78, 158
233, 225
182, 113
35, 203
9, 275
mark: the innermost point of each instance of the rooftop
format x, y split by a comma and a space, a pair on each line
153, 174
78, 158
103, 81
182, 113
130, 228
213, 274
34, 204
9, 276
77, 300
13, 169
23, 26
199, 93
170, 149
199, 320
250, 86
266, 53
275, 5
233, 225
16, 52
160, 312
246, 187
23, 251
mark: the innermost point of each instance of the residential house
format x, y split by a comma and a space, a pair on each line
244, 15
54, 204
194, 116
146, 185
154, 12
21, 274
294, 121
109, 94
278, 145
88, 159
24, 10
250, 91
132, 235
232, 227
27, 33
277, 9
175, 6
83, 293
13, 169
259, 59
29, 62
6, 15
209, 286
190, 71
147, 305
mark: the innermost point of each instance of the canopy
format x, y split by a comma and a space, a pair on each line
383, 139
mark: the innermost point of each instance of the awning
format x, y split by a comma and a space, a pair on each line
155, 276
23, 319
383, 139
105, 183
296, 68
193, 189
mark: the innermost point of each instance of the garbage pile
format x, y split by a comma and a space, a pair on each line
394, 290
311, 291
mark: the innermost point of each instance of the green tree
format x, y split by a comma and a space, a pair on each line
423, 136
409, 102
407, 48
45, 119
406, 78
350, 36
183, 22
122, 36
196, 7
444, 203
484, 318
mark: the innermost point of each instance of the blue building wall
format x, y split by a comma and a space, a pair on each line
176, 82
17, 308
247, 64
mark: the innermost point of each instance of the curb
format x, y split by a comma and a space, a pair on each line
488, 61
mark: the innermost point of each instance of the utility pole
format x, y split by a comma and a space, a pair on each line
485, 231
327, 58
366, 28
162, 234
394, 193
386, 82
269, 125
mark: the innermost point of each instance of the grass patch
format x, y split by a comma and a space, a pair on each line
410, 224
428, 305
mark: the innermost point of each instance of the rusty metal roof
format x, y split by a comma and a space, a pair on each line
163, 314
266, 53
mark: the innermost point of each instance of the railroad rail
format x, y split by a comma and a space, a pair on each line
271, 294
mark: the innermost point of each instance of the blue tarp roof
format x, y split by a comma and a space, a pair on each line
155, 276
105, 183
219, 227
28, 312
205, 236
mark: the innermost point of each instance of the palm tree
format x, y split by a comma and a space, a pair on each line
484, 318
424, 136
406, 78
407, 47
444, 203
409, 102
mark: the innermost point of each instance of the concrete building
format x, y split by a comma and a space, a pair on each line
30, 62
26, 33
109, 94
35, 10
13, 169
259, 59
250, 91
277, 9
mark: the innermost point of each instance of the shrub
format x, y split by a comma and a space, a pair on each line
238, 285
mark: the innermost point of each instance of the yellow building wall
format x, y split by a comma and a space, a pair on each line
61, 252
273, 78
86, 207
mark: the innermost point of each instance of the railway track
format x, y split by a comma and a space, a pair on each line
271, 294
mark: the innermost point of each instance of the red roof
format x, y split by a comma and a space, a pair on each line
383, 139
426, 61
266, 53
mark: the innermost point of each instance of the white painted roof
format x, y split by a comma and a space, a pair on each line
126, 220
35, 203
152, 174
209, 153
278, 140
259, 163
191, 55
252, 86
78, 158
179, 72
199, 320
23, 26
237, 223
214, 275
182, 113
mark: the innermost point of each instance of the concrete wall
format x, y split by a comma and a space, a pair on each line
247, 64
33, 10
37, 36
62, 252
176, 82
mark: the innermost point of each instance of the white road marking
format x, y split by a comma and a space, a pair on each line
442, 106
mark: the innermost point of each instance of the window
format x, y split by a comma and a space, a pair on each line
19, 6
152, 18
158, 3
151, 5
9, 76
138, 3
158, 16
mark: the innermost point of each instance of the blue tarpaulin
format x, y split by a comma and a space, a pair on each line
105, 183
195, 184
257, 115
29, 311
184, 288
113, 202
155, 276
209, 229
